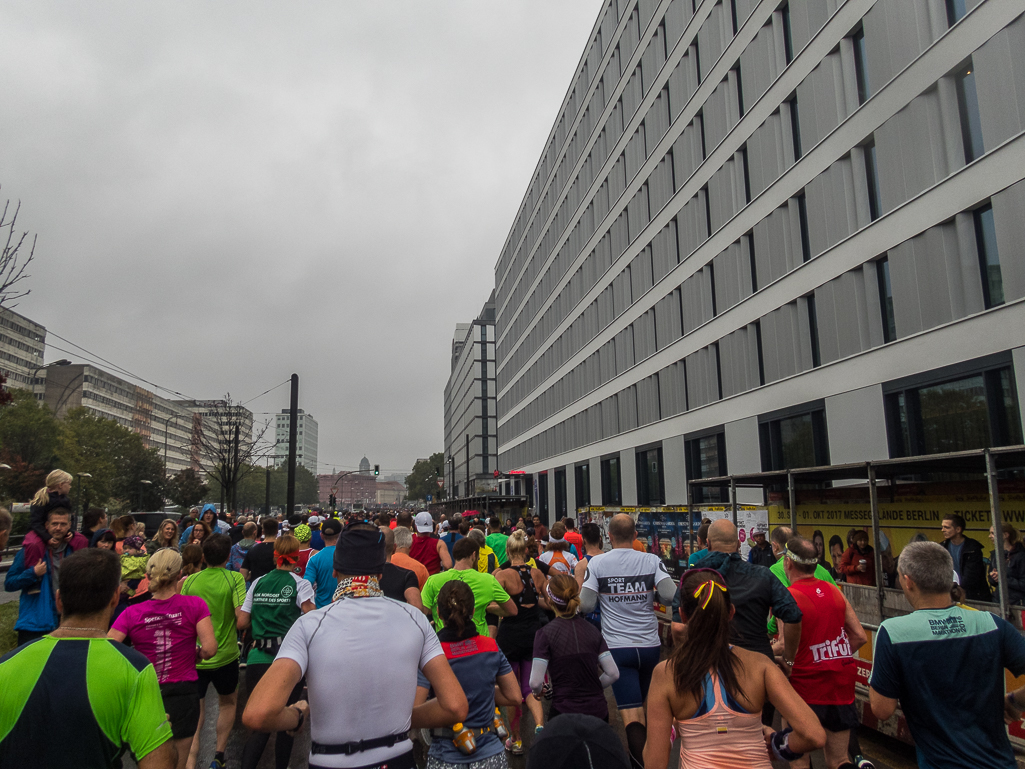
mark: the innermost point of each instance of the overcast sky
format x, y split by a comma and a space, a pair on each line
226, 193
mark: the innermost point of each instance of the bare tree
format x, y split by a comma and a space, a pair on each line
13, 259
227, 446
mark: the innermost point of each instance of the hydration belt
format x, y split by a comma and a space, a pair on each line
448, 734
269, 645
352, 748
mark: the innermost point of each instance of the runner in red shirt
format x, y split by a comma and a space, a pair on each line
823, 672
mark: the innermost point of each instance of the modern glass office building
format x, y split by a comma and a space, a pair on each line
768, 235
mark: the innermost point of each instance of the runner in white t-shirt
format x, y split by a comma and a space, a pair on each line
624, 581
354, 699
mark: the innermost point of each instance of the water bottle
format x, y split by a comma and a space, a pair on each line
499, 726
464, 740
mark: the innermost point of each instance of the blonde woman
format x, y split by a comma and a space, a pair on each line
526, 586
166, 536
165, 629
53, 495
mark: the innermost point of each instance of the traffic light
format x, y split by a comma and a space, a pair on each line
377, 469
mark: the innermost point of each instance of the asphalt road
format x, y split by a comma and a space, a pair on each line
887, 754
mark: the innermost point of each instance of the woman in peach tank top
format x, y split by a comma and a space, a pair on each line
713, 693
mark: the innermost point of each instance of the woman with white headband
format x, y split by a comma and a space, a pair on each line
574, 654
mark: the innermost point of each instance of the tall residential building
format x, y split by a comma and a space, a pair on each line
471, 447
163, 424
22, 343
306, 440
767, 235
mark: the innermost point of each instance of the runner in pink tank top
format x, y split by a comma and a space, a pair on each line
714, 692
721, 733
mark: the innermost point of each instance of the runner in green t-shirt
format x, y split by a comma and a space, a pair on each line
73, 698
224, 592
486, 589
496, 540
273, 604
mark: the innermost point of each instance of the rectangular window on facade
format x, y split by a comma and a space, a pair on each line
582, 481
542, 497
989, 258
955, 11
561, 510
611, 482
802, 215
651, 487
976, 411
861, 66
747, 175
875, 201
886, 300
706, 458
795, 128
740, 92
813, 332
788, 36
968, 110
793, 441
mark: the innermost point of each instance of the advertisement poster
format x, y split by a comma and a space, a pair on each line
665, 534
664, 530
747, 517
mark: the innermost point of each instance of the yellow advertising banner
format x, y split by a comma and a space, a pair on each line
902, 518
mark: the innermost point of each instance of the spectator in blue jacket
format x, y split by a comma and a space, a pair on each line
209, 517
37, 607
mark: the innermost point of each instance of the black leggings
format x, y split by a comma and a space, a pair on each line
257, 741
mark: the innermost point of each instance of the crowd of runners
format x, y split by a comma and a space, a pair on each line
381, 630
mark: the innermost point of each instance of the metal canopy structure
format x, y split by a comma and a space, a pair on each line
987, 463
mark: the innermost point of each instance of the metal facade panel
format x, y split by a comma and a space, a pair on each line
766, 154
1000, 84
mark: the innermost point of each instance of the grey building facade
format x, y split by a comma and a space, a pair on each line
306, 440
765, 235
471, 445
22, 344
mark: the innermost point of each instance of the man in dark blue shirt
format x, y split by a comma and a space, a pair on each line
754, 590
945, 664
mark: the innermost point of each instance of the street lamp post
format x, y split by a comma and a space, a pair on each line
78, 490
142, 487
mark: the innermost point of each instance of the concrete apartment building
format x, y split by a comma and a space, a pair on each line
766, 235
306, 440
165, 425
22, 343
471, 438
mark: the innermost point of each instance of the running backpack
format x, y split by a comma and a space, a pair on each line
559, 562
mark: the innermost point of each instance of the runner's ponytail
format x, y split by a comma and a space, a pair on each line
705, 606
456, 605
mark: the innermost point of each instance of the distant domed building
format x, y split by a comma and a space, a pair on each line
364, 466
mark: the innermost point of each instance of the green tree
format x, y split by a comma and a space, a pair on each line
115, 457
423, 480
28, 430
186, 488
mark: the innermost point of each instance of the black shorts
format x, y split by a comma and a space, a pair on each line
836, 718
491, 619
224, 679
181, 703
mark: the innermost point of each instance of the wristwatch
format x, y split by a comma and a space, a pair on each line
302, 718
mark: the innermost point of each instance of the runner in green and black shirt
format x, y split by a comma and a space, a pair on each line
75, 699
273, 604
